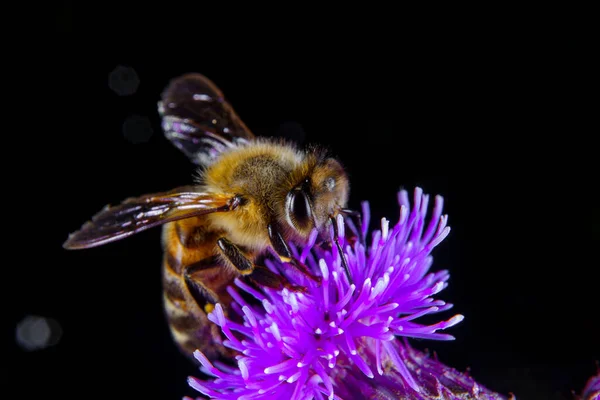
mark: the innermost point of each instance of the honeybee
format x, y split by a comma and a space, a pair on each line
252, 194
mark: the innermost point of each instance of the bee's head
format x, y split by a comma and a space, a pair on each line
318, 197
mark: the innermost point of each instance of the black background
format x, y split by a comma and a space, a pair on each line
472, 115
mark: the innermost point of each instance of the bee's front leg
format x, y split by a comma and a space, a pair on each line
356, 215
282, 249
336, 240
257, 273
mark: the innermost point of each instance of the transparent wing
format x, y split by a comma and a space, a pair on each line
137, 214
198, 120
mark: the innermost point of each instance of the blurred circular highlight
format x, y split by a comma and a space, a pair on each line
123, 80
36, 333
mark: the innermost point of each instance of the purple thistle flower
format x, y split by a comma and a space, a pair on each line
338, 340
591, 391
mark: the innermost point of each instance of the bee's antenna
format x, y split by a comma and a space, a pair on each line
336, 239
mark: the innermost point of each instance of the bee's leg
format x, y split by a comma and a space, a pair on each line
257, 273
282, 249
336, 239
355, 214
235, 256
206, 271
265, 277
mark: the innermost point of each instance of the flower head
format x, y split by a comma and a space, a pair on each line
339, 338
591, 391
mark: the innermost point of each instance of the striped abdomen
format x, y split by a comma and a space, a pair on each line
193, 281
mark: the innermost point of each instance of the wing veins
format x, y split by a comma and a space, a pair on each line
137, 214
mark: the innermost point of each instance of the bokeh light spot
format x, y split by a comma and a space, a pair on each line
123, 80
35, 333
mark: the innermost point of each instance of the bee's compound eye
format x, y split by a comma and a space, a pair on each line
298, 209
